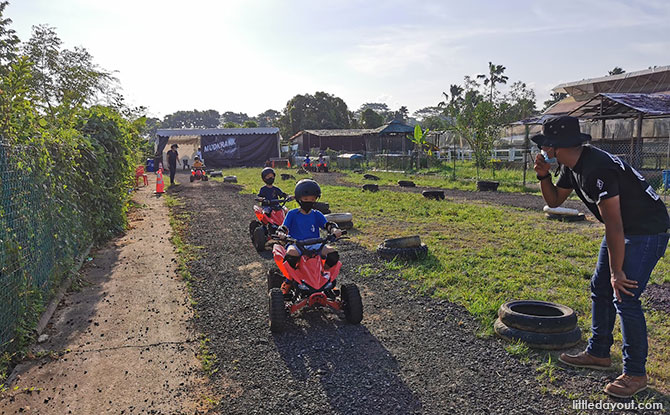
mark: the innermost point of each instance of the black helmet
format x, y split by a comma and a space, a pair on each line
307, 187
267, 171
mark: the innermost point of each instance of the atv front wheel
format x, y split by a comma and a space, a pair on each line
275, 279
277, 310
252, 227
259, 239
191, 179
352, 303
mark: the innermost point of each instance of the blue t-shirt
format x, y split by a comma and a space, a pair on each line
272, 193
301, 226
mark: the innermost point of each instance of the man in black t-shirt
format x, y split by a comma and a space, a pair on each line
173, 159
636, 236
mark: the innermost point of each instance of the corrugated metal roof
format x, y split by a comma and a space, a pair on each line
216, 131
341, 132
394, 126
624, 106
651, 80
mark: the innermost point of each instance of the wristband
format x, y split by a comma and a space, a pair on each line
540, 178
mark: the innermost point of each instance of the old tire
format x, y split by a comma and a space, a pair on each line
339, 217
230, 179
275, 279
371, 187
277, 310
538, 316
322, 207
346, 225
285, 176
404, 242
352, 303
406, 183
566, 218
213, 173
549, 341
409, 254
487, 186
191, 179
433, 194
259, 239
370, 177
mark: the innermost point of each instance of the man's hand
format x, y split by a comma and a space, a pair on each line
337, 232
621, 284
541, 166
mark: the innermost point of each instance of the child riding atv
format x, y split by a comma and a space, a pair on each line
305, 222
308, 268
271, 212
321, 165
198, 170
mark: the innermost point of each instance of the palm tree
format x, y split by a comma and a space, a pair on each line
494, 77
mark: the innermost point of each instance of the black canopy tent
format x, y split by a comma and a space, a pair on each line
227, 147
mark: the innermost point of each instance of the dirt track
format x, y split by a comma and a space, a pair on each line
411, 354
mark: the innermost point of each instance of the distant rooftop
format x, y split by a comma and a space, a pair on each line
177, 132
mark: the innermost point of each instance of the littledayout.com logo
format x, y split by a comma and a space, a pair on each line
583, 404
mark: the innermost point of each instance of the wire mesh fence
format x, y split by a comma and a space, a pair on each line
35, 243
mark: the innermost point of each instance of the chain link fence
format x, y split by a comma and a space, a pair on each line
35, 244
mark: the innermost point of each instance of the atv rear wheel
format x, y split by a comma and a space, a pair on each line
352, 303
275, 279
205, 178
259, 239
277, 310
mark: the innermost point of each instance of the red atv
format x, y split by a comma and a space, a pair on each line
266, 225
198, 174
312, 286
322, 167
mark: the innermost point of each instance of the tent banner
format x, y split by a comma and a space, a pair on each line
238, 150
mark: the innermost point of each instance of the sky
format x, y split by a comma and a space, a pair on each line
253, 55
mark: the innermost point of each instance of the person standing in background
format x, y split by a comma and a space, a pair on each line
173, 159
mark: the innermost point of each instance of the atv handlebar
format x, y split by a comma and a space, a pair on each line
269, 202
306, 242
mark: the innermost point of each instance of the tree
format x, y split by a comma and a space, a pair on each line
378, 107
455, 94
419, 140
495, 76
519, 104
402, 114
230, 124
249, 124
321, 110
236, 117
268, 118
64, 79
616, 71
191, 119
427, 112
370, 119
554, 98
9, 41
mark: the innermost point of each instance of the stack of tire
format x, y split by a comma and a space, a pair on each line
407, 248
539, 324
343, 220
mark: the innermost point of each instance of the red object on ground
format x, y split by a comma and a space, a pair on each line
139, 173
160, 186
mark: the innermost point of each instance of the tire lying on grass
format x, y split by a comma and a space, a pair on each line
549, 341
230, 179
406, 183
343, 220
217, 173
322, 207
407, 248
370, 177
538, 316
566, 218
285, 176
371, 187
433, 194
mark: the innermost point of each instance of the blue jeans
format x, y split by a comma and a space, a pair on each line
642, 254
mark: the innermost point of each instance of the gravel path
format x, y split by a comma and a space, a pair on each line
411, 353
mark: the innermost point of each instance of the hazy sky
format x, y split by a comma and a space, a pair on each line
249, 56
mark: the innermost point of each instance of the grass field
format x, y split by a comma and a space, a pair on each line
484, 255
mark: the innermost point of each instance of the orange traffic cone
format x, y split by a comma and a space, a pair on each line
160, 186
289, 163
